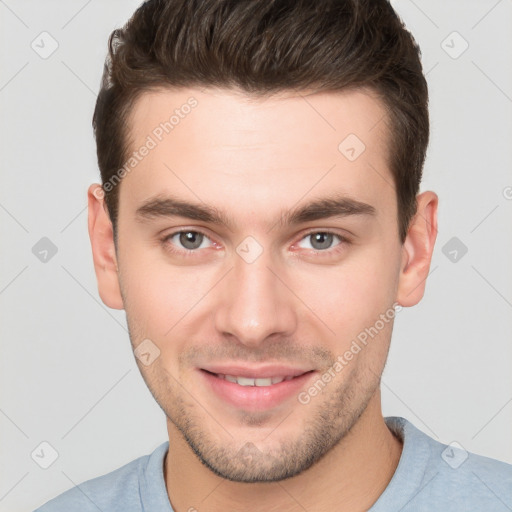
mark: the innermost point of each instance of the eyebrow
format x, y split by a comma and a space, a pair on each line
323, 208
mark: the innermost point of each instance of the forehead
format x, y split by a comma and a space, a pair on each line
222, 116
229, 149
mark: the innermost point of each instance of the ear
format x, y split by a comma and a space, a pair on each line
103, 249
417, 250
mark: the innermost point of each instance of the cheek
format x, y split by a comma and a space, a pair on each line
160, 298
351, 296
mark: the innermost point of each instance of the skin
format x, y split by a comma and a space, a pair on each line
297, 304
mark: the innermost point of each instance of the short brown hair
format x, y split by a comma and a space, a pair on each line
264, 47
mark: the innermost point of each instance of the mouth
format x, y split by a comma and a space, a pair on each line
251, 389
254, 381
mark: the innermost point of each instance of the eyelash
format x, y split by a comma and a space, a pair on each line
192, 252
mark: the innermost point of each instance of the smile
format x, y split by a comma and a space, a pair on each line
247, 381
254, 391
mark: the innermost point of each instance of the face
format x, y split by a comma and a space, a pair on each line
257, 241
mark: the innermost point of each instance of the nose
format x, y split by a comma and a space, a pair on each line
254, 303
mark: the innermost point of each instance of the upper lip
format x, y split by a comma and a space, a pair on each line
256, 372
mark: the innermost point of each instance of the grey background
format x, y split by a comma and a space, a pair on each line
67, 374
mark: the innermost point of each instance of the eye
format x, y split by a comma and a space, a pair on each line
189, 240
321, 240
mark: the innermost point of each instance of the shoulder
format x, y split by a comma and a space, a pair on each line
119, 490
447, 474
475, 481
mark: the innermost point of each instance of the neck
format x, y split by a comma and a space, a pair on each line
351, 476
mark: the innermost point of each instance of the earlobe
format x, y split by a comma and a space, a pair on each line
103, 249
417, 250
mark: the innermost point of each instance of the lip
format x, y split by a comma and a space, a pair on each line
255, 398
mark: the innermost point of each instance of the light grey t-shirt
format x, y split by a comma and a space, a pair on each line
430, 477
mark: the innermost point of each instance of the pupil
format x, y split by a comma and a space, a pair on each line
324, 239
191, 239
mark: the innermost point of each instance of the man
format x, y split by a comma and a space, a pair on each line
259, 221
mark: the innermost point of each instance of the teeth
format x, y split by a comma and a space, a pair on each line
247, 381
244, 381
263, 382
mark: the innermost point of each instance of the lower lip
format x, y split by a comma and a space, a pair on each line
255, 397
